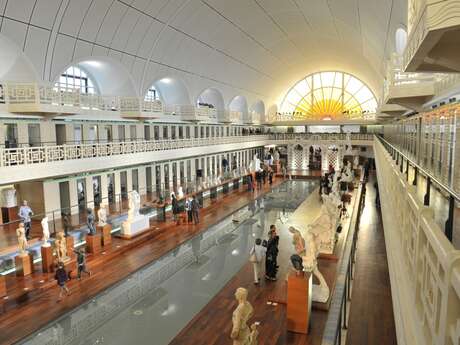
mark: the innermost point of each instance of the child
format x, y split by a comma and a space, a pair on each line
62, 277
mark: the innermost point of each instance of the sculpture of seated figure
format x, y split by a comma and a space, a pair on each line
102, 215
61, 247
241, 333
180, 193
306, 247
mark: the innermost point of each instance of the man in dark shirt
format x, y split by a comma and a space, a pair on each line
61, 277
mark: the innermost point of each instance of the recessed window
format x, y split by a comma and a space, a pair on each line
75, 79
152, 95
400, 40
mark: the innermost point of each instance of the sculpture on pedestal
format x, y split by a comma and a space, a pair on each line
22, 240
180, 192
61, 247
356, 162
102, 215
90, 222
306, 247
46, 232
276, 156
9, 197
255, 164
134, 204
347, 175
241, 334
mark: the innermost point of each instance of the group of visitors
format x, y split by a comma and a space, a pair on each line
267, 249
261, 179
192, 209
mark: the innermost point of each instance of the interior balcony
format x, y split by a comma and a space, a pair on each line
434, 39
391, 110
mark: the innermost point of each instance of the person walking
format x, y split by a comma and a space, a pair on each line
271, 263
195, 210
81, 262
25, 213
188, 209
257, 253
270, 176
175, 207
61, 277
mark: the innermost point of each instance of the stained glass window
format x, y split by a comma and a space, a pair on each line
329, 96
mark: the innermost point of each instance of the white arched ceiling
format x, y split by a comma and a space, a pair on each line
212, 96
254, 48
110, 76
14, 65
239, 103
172, 91
258, 107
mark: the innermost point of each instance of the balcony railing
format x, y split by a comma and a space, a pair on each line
321, 136
41, 98
46, 154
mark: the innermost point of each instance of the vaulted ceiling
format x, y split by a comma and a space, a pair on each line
257, 48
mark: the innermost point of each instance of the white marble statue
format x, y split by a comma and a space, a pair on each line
306, 246
255, 164
276, 156
46, 232
134, 203
9, 198
356, 162
347, 175
22, 240
102, 215
180, 192
241, 333
349, 150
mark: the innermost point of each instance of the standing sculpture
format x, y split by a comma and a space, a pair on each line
22, 240
241, 334
180, 192
46, 232
102, 215
134, 203
347, 175
90, 222
61, 247
306, 247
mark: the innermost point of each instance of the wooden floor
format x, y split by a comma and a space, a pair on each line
371, 320
31, 302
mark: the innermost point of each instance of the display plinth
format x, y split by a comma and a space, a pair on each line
2, 286
24, 265
299, 302
93, 243
70, 245
135, 227
47, 259
106, 232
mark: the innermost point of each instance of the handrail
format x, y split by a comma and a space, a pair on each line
420, 168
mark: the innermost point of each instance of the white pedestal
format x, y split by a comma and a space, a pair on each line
132, 228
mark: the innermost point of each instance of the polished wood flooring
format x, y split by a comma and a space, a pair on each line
32, 300
371, 320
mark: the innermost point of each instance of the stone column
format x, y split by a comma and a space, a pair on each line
89, 191
142, 180
52, 199
117, 184
23, 133
104, 188
48, 132
129, 180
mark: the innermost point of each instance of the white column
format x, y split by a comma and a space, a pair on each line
52, 198
142, 180
2, 133
162, 177
117, 184
73, 196
129, 180
154, 177
89, 192
192, 178
69, 133
23, 133
104, 188
48, 132
140, 131
170, 175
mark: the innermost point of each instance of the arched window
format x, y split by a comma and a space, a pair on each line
152, 94
74, 78
400, 40
329, 96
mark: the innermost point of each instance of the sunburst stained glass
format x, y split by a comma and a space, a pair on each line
329, 96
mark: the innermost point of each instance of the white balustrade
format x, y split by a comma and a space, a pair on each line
424, 266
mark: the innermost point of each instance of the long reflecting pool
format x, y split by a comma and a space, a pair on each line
155, 303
